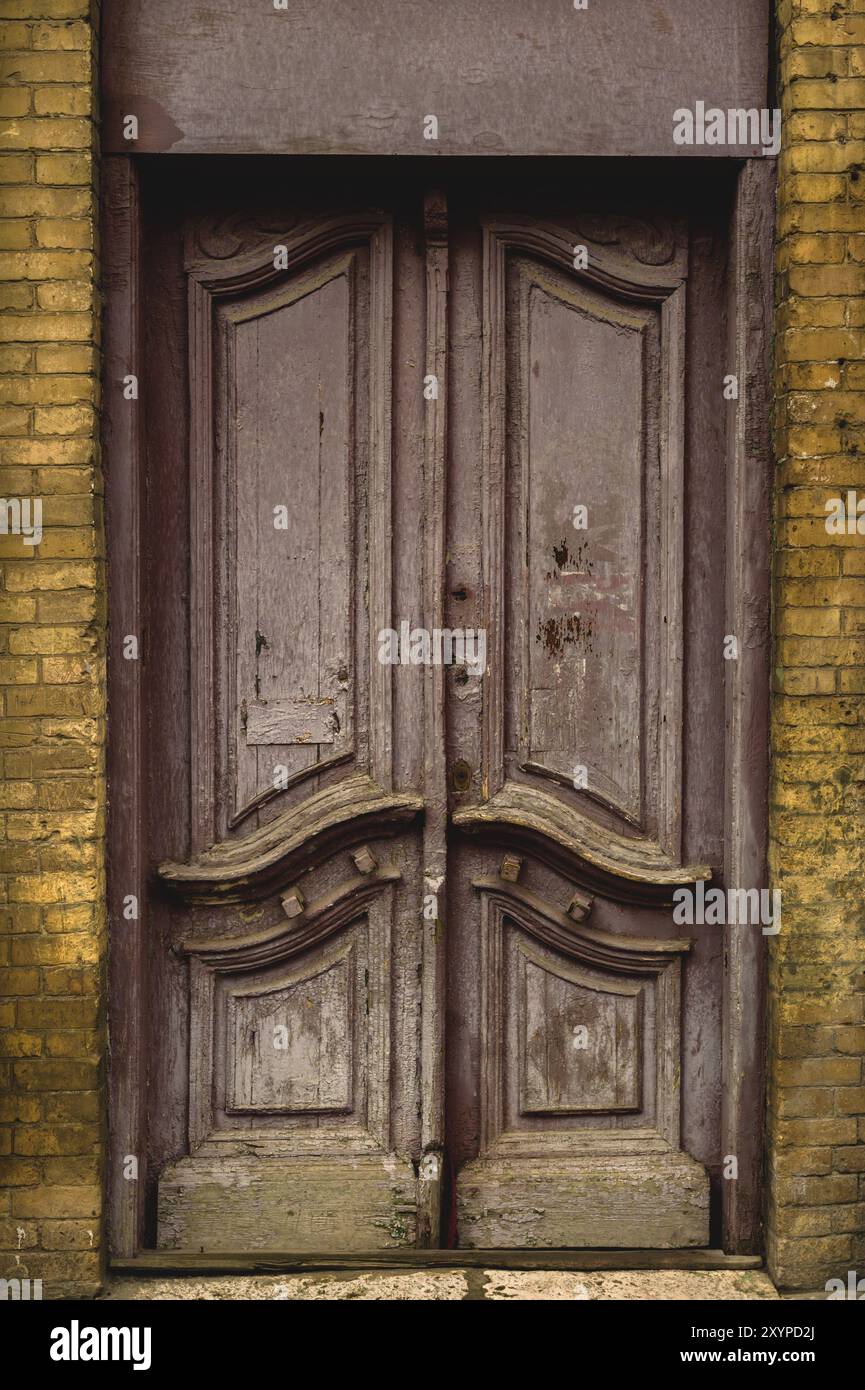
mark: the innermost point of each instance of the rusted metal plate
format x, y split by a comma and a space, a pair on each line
364, 77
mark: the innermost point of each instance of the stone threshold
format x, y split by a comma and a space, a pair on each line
476, 1283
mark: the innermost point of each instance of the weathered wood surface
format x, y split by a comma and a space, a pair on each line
749, 482
544, 818
234, 1204
359, 76
652, 1200
435, 876
289, 368
277, 1262
308, 721
223, 927
345, 812
122, 440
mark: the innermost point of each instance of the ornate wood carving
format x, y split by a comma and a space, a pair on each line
623, 868
653, 242
551, 989
221, 237
340, 816
294, 1021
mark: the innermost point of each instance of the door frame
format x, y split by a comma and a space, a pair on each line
748, 468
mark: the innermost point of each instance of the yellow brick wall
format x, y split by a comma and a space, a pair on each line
816, 1158
52, 925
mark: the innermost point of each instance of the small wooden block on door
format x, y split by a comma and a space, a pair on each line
294, 903
364, 860
580, 906
283, 722
510, 868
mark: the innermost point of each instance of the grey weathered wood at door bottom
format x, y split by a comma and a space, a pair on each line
278, 1262
659, 1200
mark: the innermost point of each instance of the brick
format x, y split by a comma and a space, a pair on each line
814, 188
54, 358
15, 981
821, 1071
810, 1221
76, 233
36, 327
49, 576
64, 980
30, 201
61, 1075
75, 295
64, 169
63, 101
58, 1202
62, 36
804, 1102
827, 1130
69, 1235
38, 1141
15, 168
33, 133
15, 359
65, 420
817, 1191
45, 67
802, 1162
19, 1044
17, 1172
35, 390
15, 234
15, 35
827, 280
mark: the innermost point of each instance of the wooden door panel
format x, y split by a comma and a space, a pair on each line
583, 402
290, 1043
583, 390
288, 377
288, 975
579, 1039
290, 382
582, 1028
572, 1082
293, 1077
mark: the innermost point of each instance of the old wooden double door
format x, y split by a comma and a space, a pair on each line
434, 715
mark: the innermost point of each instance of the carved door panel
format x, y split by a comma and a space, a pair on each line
286, 1109
583, 1025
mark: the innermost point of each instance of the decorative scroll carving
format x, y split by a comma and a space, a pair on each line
652, 243
340, 816
627, 870
222, 237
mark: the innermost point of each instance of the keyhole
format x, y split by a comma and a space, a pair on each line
461, 775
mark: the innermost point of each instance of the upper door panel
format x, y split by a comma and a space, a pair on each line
583, 385
289, 381
583, 452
